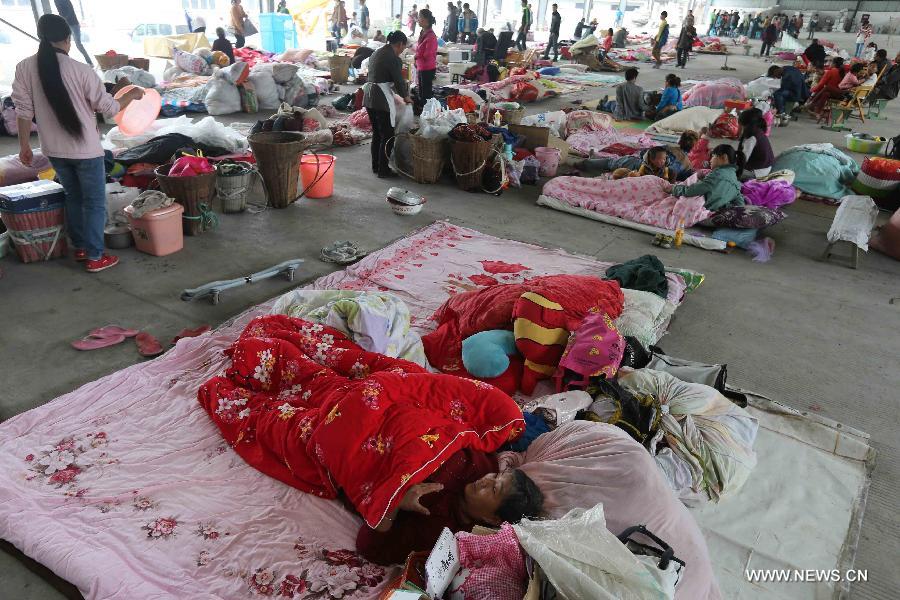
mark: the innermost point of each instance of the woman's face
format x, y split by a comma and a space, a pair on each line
482, 498
424, 21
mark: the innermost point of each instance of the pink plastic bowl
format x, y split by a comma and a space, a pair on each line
138, 115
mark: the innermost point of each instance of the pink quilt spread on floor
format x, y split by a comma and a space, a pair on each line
585, 141
637, 199
126, 488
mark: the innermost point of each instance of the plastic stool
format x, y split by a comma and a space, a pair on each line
874, 110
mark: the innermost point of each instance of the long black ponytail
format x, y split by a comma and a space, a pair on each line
51, 29
752, 122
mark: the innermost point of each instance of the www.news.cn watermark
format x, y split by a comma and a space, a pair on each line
805, 575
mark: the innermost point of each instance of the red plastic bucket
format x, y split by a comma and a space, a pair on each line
317, 175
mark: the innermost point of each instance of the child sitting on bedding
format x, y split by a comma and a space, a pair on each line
655, 163
720, 188
670, 102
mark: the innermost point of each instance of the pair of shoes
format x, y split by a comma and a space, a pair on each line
80, 255
106, 261
663, 241
103, 337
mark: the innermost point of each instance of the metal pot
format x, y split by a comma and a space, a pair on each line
118, 237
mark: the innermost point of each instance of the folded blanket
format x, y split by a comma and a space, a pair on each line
638, 199
305, 405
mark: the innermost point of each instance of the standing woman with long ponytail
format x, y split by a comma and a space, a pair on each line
63, 95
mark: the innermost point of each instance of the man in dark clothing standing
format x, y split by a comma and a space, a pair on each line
813, 25
524, 27
769, 37
555, 21
451, 29
67, 12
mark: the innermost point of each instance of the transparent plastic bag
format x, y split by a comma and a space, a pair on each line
582, 559
208, 131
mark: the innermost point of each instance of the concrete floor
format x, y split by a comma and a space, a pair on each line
814, 335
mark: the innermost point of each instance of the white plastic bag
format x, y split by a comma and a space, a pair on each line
562, 408
436, 121
582, 559
117, 198
405, 119
210, 132
266, 89
853, 221
223, 97
555, 120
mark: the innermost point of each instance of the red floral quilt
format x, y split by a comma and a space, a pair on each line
305, 405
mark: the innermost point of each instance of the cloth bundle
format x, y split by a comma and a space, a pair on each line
149, 200
770, 194
711, 437
819, 169
376, 321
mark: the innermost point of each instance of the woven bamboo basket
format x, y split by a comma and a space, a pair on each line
340, 68
195, 194
278, 160
429, 157
513, 116
468, 160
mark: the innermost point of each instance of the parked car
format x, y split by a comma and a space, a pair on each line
145, 30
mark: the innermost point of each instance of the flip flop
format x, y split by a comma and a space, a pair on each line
112, 330
189, 333
148, 345
95, 343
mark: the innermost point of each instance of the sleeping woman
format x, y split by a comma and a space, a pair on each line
410, 451
465, 491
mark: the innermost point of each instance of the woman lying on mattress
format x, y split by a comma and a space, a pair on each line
410, 451
465, 491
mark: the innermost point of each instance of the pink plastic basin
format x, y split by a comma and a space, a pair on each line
139, 114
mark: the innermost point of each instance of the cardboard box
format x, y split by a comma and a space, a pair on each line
541, 137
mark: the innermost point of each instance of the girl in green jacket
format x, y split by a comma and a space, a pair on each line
720, 188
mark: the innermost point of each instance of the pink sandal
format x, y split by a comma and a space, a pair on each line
148, 345
95, 343
112, 330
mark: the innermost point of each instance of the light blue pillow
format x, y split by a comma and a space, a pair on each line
486, 354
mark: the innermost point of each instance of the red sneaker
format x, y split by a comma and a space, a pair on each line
80, 255
101, 264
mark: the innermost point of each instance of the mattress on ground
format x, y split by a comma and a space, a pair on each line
645, 200
125, 487
692, 237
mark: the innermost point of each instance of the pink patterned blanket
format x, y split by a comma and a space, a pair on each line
125, 488
638, 199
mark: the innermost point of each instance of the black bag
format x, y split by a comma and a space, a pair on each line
892, 150
661, 550
635, 414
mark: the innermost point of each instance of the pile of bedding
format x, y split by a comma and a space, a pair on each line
714, 93
819, 169
694, 118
